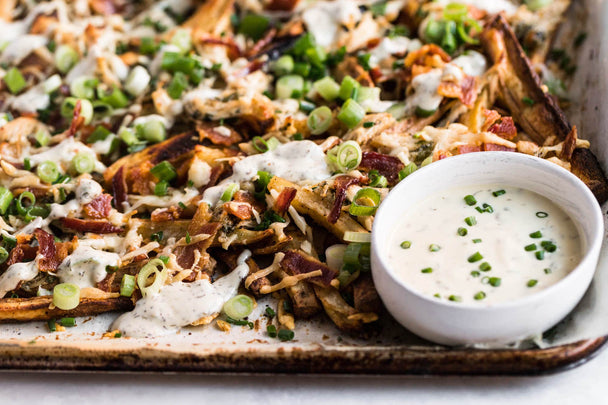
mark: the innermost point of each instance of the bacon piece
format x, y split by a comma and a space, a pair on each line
462, 149
77, 120
185, 254
50, 256
342, 183
207, 131
247, 197
492, 147
166, 214
505, 128
95, 226
442, 154
241, 210
262, 43
98, 208
388, 166
233, 49
284, 200
568, 145
119, 186
20, 253
297, 262
492, 116
282, 5
467, 91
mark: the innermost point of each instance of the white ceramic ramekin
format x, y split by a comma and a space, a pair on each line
452, 323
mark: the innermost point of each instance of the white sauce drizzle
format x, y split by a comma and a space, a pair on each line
493, 6
302, 161
10, 279
503, 233
63, 153
86, 266
180, 304
323, 19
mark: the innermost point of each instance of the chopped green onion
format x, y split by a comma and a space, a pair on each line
377, 180
548, 246
540, 255
229, 192
479, 209
238, 307
178, 84
272, 331
182, 40
289, 86
319, 120
434, 248
47, 171
422, 113
407, 170
42, 137
253, 26
148, 46
83, 87
535, 5
351, 113
127, 285
427, 161
470, 200
461, 29
51, 84
360, 237
455, 11
475, 257
260, 144
347, 87
164, 171
3, 255
347, 156
480, 295
367, 96
128, 136
485, 266
449, 42
351, 254
327, 88
475, 273
427, 270
494, 281
51, 324
536, 235
462, 231
152, 131
86, 110
6, 198
547, 271
406, 244
285, 335
368, 194
14, 80
160, 189
21, 208
239, 322
542, 214
27, 164
530, 248
84, 162
476, 240
284, 65
67, 322
532, 283
137, 80
487, 208
498, 193
65, 58
151, 269
470, 221
66, 296
455, 298
270, 312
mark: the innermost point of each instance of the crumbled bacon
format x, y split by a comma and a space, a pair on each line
207, 131
89, 225
262, 43
77, 120
20, 253
468, 93
297, 262
166, 214
241, 210
185, 254
49, 256
282, 5
284, 200
98, 208
492, 147
388, 166
233, 49
342, 183
505, 128
119, 186
491, 116
462, 149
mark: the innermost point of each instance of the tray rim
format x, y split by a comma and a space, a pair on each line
405, 361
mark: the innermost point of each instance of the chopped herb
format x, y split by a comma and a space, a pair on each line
164, 259
470, 221
494, 281
540, 255
427, 270
285, 335
536, 235
270, 217
182, 205
406, 244
498, 193
364, 60
157, 236
378, 9
462, 231
528, 101
485, 266
542, 214
188, 238
434, 248
475, 257
547, 271
239, 322
455, 298
475, 273
368, 124
52, 325
272, 331
69, 322
476, 240
480, 295
548, 246
580, 38
530, 248
532, 283
270, 312
118, 335
470, 200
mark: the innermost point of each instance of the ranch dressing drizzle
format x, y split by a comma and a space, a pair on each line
86, 266
10, 279
503, 234
180, 304
294, 161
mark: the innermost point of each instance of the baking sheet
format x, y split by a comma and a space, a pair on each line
589, 320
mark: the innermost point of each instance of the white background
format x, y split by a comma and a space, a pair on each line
585, 385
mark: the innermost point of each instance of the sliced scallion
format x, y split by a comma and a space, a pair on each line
238, 307
229, 192
462, 231
66, 296
84, 162
536, 235
48, 171
319, 120
351, 113
530, 248
427, 270
406, 244
365, 202
475, 257
470, 200
127, 285
480, 295
470, 221
532, 283
498, 193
